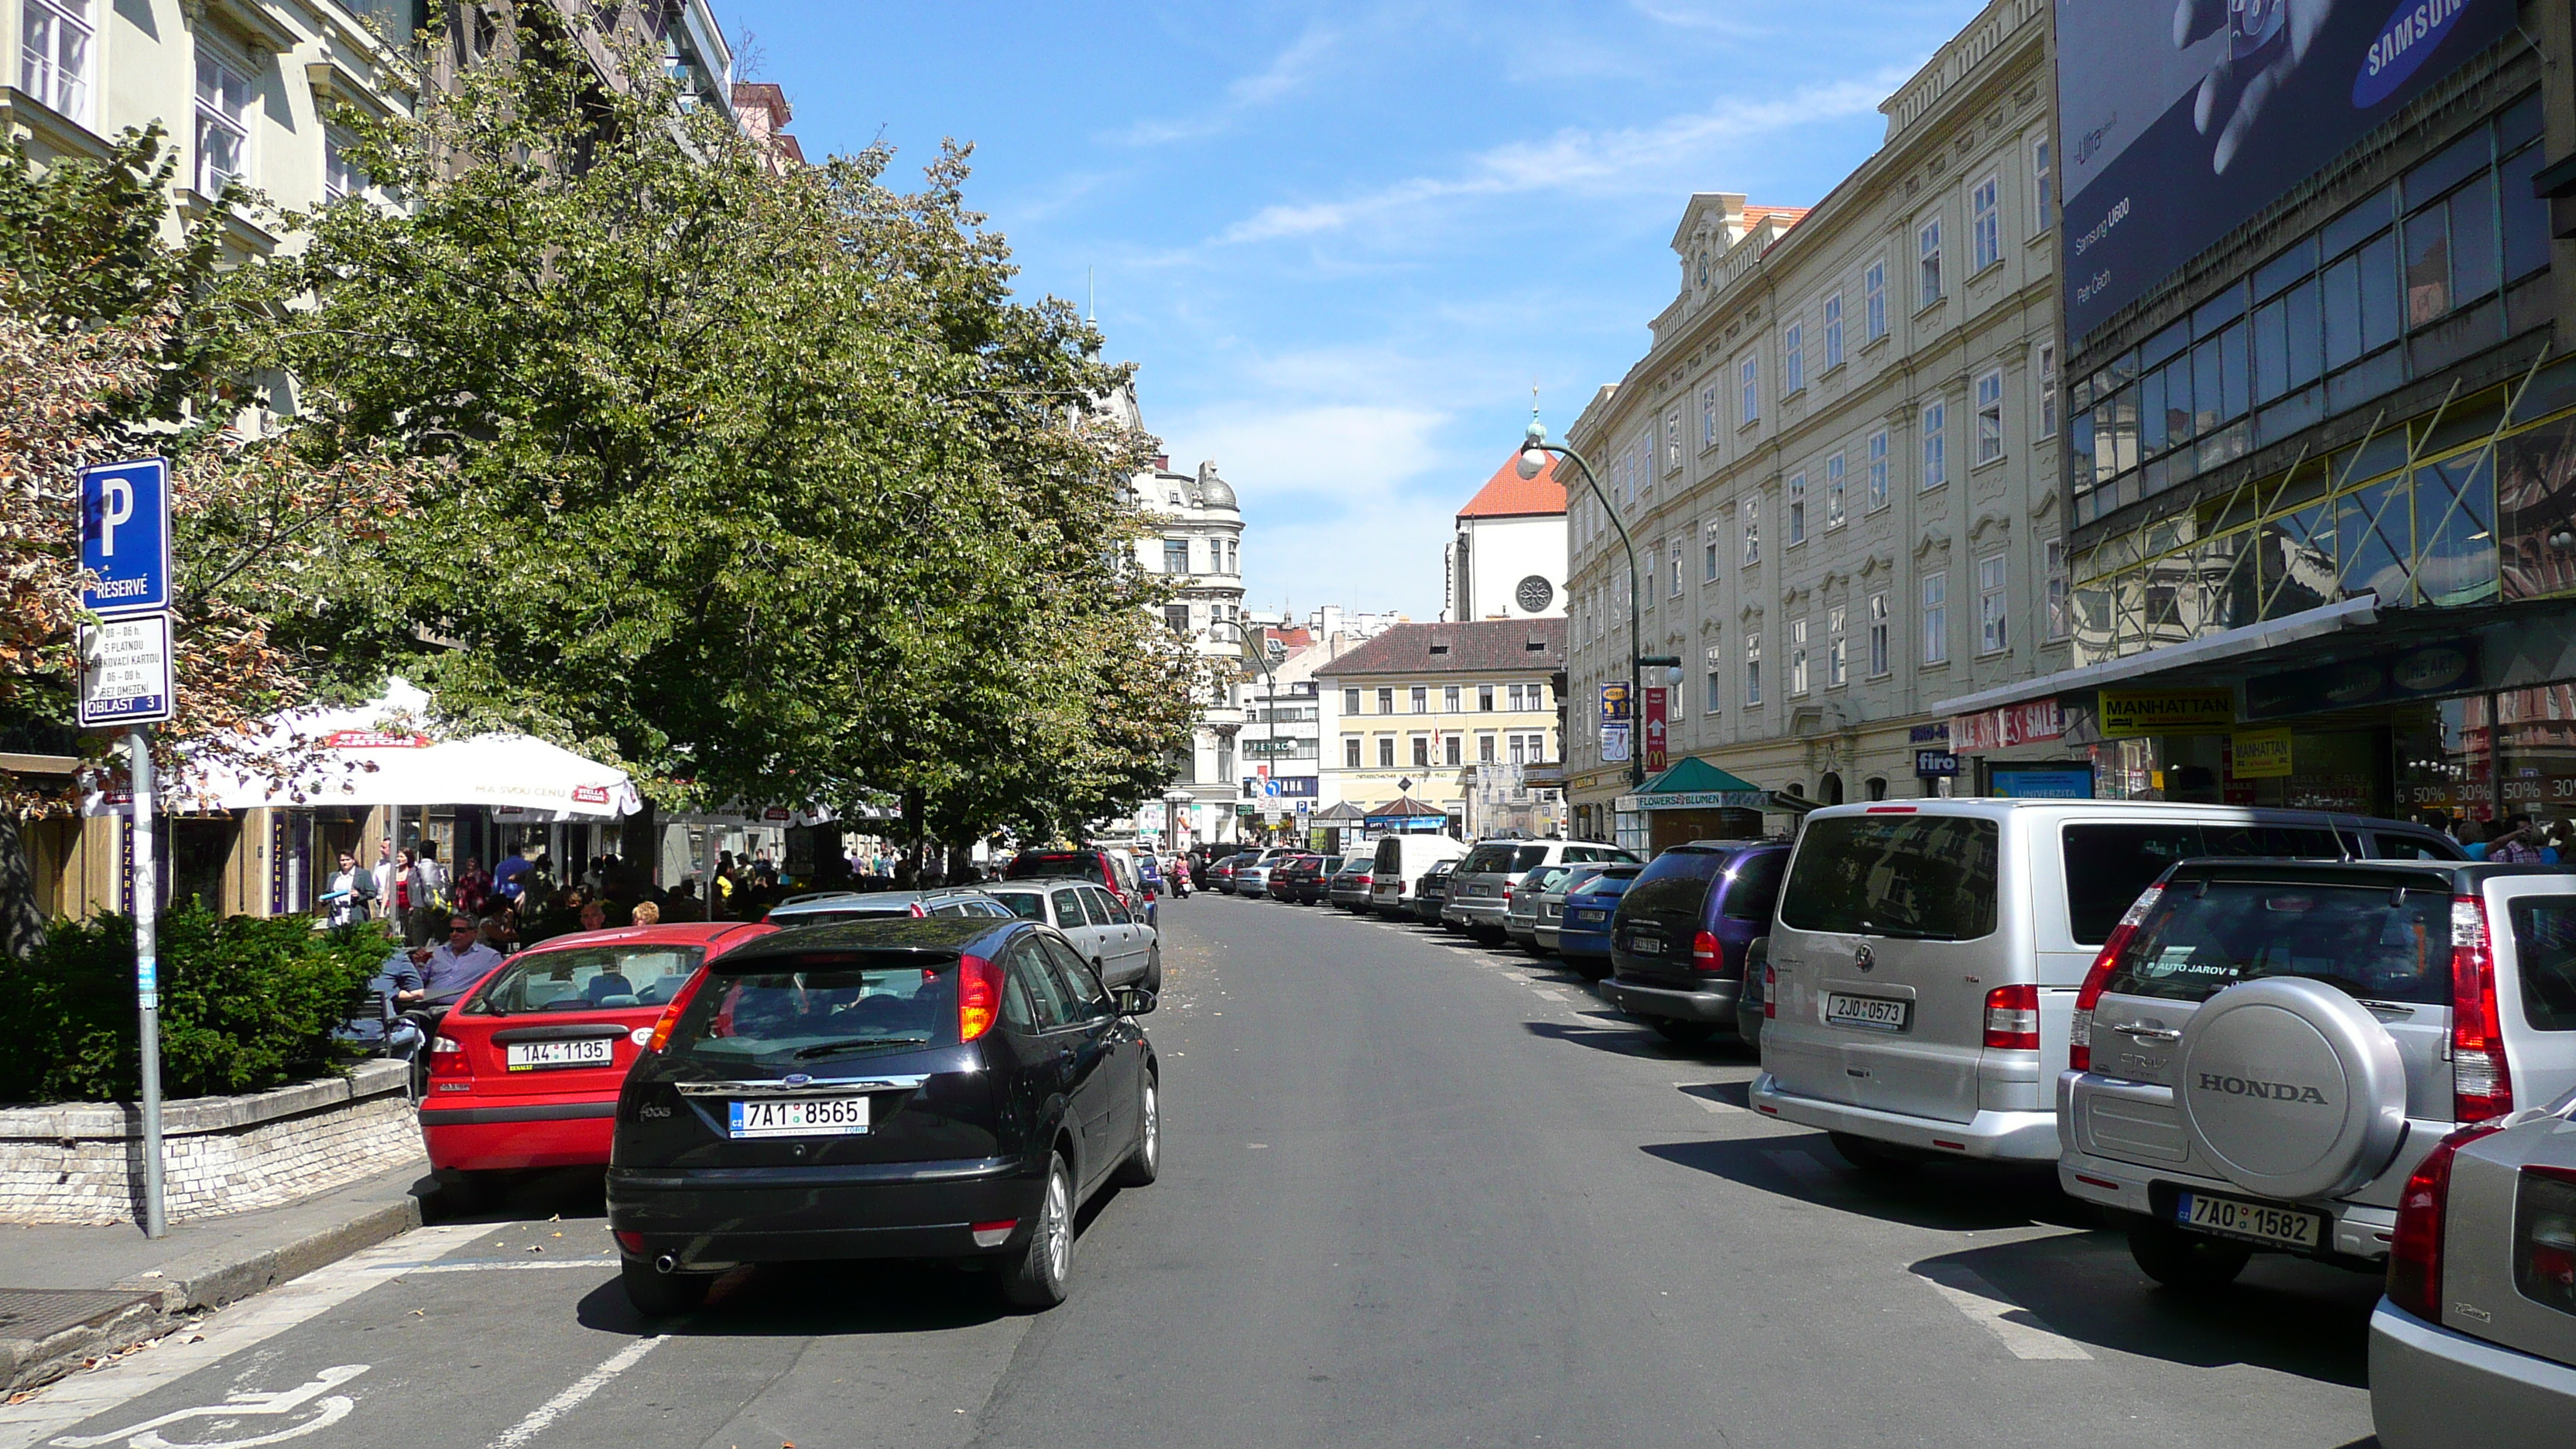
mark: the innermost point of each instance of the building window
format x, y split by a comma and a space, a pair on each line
1350, 701
1512, 697
1837, 650
1797, 492
1421, 752
1676, 590
1176, 555
1455, 745
1834, 491
1990, 416
54, 55
1878, 470
1386, 752
223, 125
1873, 321
1386, 701
1793, 358
2048, 390
1936, 453
1484, 749
1673, 441
1485, 698
1178, 616
1797, 657
1708, 554
2043, 187
2060, 622
1449, 699
1936, 617
1985, 226
1716, 671
1927, 263
1992, 633
1708, 416
1421, 699
1833, 331
1753, 528
1752, 670
1877, 636
1748, 375
340, 175
1350, 752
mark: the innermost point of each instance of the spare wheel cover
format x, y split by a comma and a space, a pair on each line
2290, 1089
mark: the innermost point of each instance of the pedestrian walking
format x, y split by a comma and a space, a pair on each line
349, 896
383, 875
507, 877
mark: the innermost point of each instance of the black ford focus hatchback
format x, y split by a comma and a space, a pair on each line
934, 1088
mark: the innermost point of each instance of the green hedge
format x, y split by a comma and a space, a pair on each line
246, 1005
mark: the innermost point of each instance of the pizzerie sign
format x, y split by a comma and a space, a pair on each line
2029, 722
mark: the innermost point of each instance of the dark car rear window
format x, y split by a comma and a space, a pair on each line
589, 979
820, 1007
1755, 888
838, 916
2109, 866
1027, 863
1531, 857
2544, 941
1918, 877
1675, 883
1488, 860
1614, 881
2375, 942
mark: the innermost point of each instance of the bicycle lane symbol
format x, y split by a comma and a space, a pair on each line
327, 1411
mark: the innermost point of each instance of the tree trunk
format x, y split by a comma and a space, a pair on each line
22, 926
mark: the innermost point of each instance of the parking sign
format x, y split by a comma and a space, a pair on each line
126, 672
125, 536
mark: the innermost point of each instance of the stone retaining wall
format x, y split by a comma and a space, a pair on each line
82, 1162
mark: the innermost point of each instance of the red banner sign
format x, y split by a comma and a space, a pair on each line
1656, 730
2027, 723
590, 794
373, 740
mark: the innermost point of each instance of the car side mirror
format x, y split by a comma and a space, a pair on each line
1134, 1000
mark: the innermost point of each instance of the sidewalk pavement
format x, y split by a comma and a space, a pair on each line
69, 1294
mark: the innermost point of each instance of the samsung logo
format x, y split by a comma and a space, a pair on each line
2269, 1091
2116, 215
2404, 41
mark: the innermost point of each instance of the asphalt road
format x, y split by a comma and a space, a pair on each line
1415, 1192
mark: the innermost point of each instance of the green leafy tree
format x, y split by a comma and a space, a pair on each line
762, 484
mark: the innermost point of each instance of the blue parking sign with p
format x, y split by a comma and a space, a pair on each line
125, 536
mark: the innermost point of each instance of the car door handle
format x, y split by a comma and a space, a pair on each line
2140, 1031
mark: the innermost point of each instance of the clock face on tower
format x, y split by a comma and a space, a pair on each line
1534, 594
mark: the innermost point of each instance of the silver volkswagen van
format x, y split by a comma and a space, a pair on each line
1924, 962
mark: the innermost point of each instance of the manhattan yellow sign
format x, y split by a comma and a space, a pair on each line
2260, 755
2131, 712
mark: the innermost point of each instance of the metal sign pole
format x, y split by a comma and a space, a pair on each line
147, 980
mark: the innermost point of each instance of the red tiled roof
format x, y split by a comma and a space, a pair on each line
1509, 495
1789, 215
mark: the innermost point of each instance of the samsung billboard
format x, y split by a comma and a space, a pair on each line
2179, 121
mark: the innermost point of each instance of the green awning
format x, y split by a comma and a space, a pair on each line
1691, 776
1694, 784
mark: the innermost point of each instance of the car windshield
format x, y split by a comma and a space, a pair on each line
815, 1007
590, 978
1530, 857
1488, 860
1027, 905
2379, 942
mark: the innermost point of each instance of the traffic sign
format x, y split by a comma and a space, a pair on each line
125, 536
125, 671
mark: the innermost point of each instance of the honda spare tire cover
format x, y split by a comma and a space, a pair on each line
2290, 1088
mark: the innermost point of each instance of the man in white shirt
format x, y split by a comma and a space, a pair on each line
385, 871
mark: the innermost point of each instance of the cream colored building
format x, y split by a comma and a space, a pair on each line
1442, 713
1838, 458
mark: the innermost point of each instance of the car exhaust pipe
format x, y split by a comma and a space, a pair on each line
667, 1263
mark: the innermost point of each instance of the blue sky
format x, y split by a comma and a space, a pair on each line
1343, 240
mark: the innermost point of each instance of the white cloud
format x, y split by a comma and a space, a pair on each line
1287, 73
1330, 456
1574, 161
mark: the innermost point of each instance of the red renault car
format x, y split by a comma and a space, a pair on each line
525, 1071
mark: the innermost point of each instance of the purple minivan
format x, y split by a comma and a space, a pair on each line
1678, 944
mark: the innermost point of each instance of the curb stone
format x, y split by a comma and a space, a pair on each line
194, 1286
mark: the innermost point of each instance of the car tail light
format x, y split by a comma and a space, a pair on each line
2544, 1243
993, 1234
2079, 1032
1706, 955
2415, 1249
1770, 993
979, 996
629, 1241
2481, 1082
671, 1014
2012, 1018
447, 1058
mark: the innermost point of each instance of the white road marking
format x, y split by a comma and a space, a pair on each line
239, 1406
1802, 1165
1550, 992
69, 1402
580, 1389
1983, 1304
509, 1265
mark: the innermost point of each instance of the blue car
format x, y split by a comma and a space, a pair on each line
1583, 935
